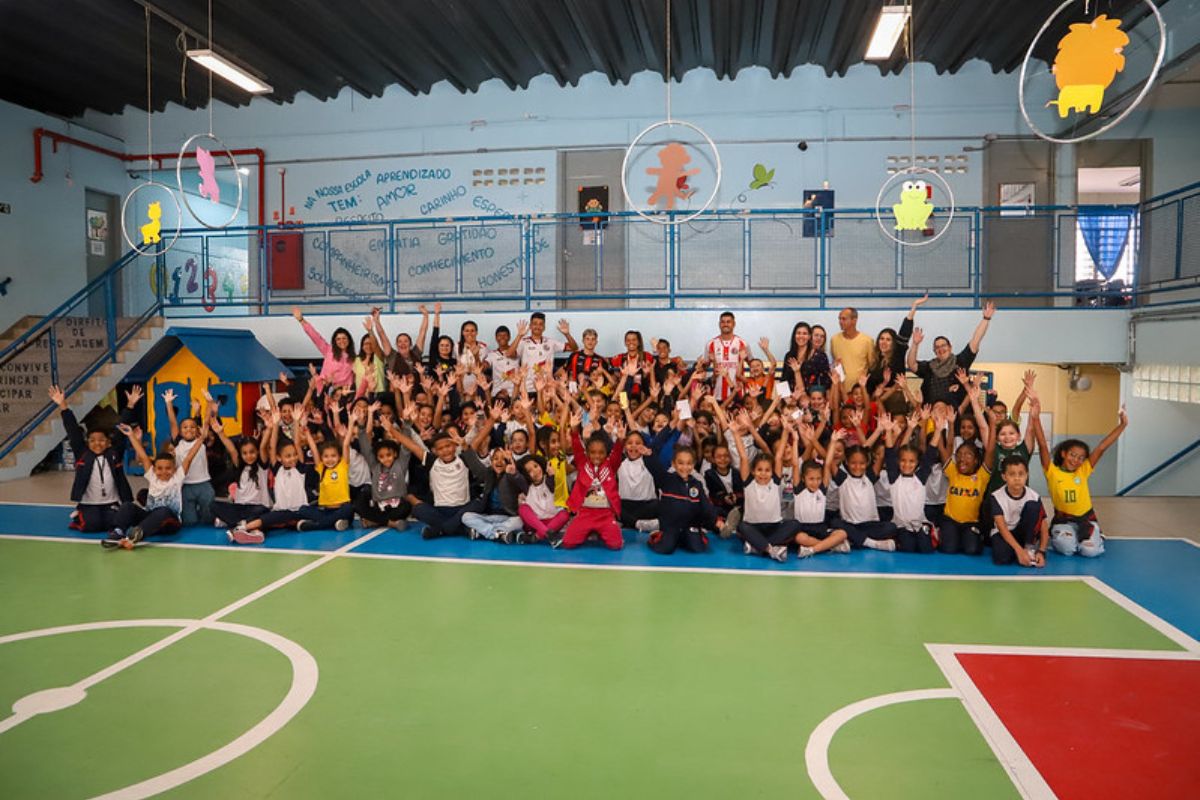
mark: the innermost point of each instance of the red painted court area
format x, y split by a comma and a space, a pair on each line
1099, 728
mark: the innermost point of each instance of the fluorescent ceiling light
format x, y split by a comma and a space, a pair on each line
229, 71
888, 28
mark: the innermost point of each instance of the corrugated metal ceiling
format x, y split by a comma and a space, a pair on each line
65, 56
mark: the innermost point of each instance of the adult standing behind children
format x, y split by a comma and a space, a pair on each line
535, 350
727, 352
853, 348
938, 381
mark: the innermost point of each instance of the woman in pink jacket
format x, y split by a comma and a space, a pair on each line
338, 368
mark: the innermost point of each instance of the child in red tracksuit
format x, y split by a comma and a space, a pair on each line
594, 499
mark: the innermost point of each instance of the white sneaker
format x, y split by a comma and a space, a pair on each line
342, 524
646, 525
217, 523
804, 552
887, 545
842, 547
747, 549
777, 552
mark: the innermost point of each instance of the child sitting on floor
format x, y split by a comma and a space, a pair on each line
164, 496
295, 485
594, 499
1020, 531
100, 486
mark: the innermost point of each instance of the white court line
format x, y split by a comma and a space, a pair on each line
816, 752
85, 683
1145, 615
32, 537
41, 505
1183, 539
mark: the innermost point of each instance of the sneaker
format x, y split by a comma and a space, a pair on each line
134, 536
218, 523
430, 533
472, 534
777, 552
398, 524
505, 536
842, 547
243, 536
747, 549
113, 540
555, 540
646, 525
525, 537
655, 537
804, 552
731, 523
886, 545
306, 525
342, 525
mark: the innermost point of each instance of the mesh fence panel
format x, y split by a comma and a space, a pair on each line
860, 256
781, 257
229, 257
942, 264
491, 259
357, 263
1065, 252
711, 254
426, 261
1189, 265
646, 255
1160, 227
184, 271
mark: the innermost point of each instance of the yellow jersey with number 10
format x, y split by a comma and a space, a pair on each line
1069, 490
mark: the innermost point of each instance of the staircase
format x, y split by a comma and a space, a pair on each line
25, 379
85, 354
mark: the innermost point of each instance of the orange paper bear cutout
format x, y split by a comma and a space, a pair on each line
672, 177
1089, 58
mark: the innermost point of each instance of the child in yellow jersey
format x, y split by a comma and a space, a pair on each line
333, 508
1074, 528
967, 479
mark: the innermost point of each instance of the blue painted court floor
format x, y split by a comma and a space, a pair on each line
1159, 574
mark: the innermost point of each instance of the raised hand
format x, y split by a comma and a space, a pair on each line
918, 336
919, 302
1122, 416
437, 307
522, 329
764, 344
297, 314
168, 396
134, 396
368, 323
285, 377
564, 327
125, 429
989, 309
1028, 378
576, 418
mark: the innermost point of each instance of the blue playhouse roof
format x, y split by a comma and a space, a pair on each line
233, 355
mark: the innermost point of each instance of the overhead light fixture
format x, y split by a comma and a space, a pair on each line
887, 32
229, 71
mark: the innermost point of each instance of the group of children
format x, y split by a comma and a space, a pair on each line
508, 444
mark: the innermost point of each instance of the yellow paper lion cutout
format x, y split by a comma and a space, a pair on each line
1089, 58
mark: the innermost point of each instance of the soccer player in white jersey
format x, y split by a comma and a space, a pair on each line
727, 353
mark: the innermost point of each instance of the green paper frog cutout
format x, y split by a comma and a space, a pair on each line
914, 207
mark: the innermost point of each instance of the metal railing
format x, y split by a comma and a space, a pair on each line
70, 344
770, 258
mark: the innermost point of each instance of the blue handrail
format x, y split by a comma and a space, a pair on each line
1164, 465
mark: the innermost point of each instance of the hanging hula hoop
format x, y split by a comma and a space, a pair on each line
879, 202
222, 149
1158, 60
147, 248
662, 217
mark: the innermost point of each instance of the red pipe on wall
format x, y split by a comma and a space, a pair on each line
57, 138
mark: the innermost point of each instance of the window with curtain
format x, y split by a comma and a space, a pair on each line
1106, 246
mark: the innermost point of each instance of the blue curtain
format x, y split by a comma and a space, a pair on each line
1106, 233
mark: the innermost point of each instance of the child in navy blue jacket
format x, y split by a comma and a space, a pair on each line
100, 485
684, 510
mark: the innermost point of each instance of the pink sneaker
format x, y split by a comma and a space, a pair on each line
243, 536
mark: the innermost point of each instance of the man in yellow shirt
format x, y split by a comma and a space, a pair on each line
852, 347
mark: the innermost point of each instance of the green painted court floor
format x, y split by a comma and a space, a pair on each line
445, 679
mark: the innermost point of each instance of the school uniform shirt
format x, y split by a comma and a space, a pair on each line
449, 481
581, 364
504, 370
908, 494
964, 493
856, 497
101, 486
291, 488
360, 470
557, 467
1069, 490
540, 499
997, 479
253, 490
1003, 504
763, 503
809, 507
335, 485
747, 442
198, 472
165, 494
539, 355
634, 481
